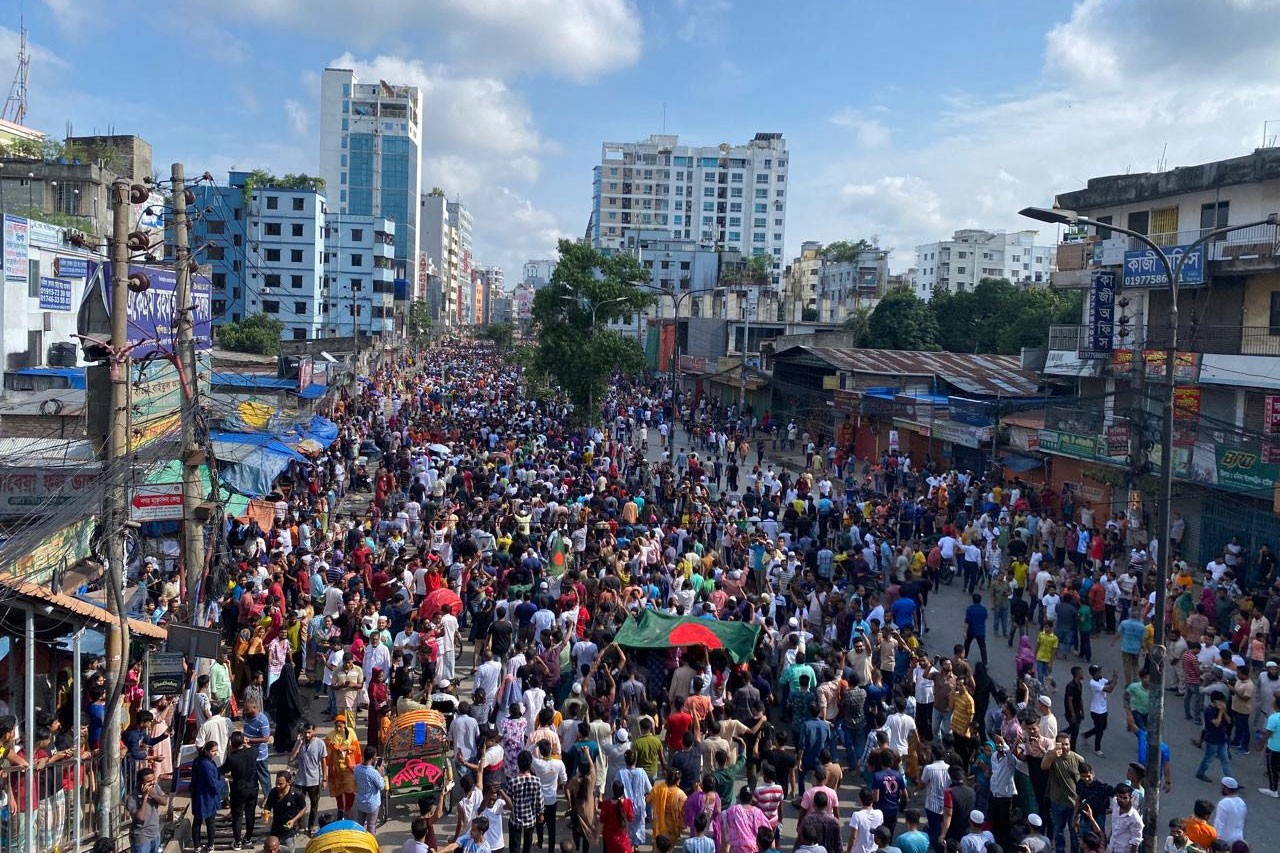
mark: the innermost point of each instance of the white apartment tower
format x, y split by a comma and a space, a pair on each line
726, 196
973, 254
371, 156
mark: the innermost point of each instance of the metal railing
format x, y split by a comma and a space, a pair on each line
1260, 241
55, 812
1219, 339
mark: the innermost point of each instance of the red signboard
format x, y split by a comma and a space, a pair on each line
1271, 428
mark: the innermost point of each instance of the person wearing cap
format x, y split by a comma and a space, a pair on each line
1232, 811
1035, 841
977, 838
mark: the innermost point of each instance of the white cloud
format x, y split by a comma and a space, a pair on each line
870, 132
481, 146
1120, 82
299, 120
575, 39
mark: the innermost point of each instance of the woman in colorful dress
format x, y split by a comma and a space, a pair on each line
343, 758
616, 813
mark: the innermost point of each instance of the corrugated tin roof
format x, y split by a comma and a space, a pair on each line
46, 451
253, 380
84, 609
988, 375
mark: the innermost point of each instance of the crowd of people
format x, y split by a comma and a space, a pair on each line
849, 714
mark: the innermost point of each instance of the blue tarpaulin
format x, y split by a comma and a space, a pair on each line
257, 381
313, 391
252, 461
1020, 464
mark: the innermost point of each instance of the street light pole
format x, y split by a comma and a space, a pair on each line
677, 299
1164, 496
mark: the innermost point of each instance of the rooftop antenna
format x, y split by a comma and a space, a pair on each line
15, 108
1268, 138
1162, 162
664, 118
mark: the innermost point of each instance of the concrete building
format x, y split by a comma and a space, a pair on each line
800, 288
490, 281
724, 196
288, 255
77, 189
45, 278
973, 254
460, 219
1227, 377
845, 286
371, 156
538, 273
361, 275
522, 302
439, 245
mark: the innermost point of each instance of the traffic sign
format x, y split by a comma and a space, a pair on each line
156, 502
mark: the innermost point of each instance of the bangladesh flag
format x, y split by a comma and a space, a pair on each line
654, 630
558, 547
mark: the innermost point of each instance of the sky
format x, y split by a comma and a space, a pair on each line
904, 121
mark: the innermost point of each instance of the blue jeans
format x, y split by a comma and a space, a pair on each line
1042, 670
152, 846
1001, 616
854, 739
1218, 751
1061, 826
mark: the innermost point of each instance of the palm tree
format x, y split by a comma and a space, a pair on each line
857, 323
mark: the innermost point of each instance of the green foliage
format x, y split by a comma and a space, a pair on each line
579, 356
758, 268
62, 220
902, 321
842, 251
24, 149
998, 317
256, 333
418, 320
261, 179
437, 192
857, 323
502, 334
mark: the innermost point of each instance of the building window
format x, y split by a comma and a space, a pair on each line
735, 221
299, 204
735, 192
357, 260
271, 280
295, 256
762, 193
735, 235
299, 307
273, 202
236, 240
270, 306
299, 334
271, 229
297, 229
220, 280
762, 179
295, 281
355, 285
1214, 215
357, 235
684, 265
215, 253
271, 255
961, 270
1274, 320
215, 226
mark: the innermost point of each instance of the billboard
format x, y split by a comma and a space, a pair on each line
153, 313
16, 248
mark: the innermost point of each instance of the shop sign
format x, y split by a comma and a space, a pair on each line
1186, 365
1244, 470
961, 434
1102, 316
64, 548
1069, 444
1271, 428
1118, 440
894, 447
165, 673
1144, 268
1023, 438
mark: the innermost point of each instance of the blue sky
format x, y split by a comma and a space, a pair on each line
905, 121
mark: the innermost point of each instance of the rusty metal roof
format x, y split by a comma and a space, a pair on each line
982, 374
83, 609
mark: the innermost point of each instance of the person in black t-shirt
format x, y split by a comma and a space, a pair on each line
500, 634
287, 806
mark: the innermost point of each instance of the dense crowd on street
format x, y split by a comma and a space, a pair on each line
463, 546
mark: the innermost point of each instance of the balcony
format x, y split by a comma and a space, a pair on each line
1259, 243
1219, 340
1066, 338
1077, 420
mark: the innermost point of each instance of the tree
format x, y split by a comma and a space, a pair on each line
857, 323
502, 334
418, 321
758, 268
845, 250
256, 333
999, 317
581, 356
902, 321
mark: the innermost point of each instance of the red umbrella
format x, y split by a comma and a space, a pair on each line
693, 634
440, 599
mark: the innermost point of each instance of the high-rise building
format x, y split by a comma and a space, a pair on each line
723, 196
460, 218
371, 156
490, 281
973, 254
538, 273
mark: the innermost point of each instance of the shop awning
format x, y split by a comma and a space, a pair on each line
313, 392
654, 630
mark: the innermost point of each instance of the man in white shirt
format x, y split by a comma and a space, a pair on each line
1229, 816
216, 728
901, 728
1126, 822
863, 823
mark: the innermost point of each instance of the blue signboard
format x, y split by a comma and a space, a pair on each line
55, 294
71, 267
1144, 269
1102, 316
153, 313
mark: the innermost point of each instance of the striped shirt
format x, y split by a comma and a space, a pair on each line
768, 799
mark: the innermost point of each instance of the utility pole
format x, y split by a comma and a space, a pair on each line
185, 358
117, 452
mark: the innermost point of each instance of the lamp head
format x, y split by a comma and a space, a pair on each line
1051, 215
